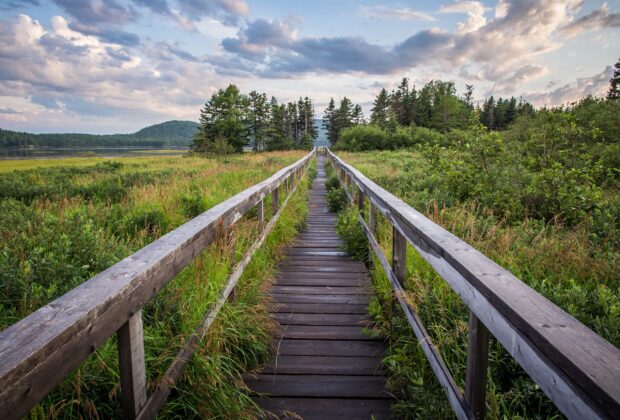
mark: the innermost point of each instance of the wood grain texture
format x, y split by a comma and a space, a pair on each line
322, 353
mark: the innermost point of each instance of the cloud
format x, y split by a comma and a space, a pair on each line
227, 11
475, 15
98, 11
101, 18
597, 19
595, 85
8, 111
16, 4
400, 13
523, 74
503, 49
62, 75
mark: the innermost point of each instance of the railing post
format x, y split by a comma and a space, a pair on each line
399, 260
360, 201
477, 364
260, 207
274, 201
131, 366
372, 219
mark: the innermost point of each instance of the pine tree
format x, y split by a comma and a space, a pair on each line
401, 103
329, 122
614, 84
380, 111
258, 112
223, 122
358, 115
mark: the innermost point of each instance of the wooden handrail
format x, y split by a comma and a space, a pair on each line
39, 351
575, 367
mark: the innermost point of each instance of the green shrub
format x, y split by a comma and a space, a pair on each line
337, 199
353, 237
332, 182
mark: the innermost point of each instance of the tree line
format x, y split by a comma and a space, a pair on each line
170, 133
230, 120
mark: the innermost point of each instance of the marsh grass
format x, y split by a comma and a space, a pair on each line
563, 264
52, 243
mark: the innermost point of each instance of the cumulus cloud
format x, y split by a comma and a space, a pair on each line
400, 13
503, 49
523, 74
597, 19
98, 11
474, 11
228, 11
16, 4
595, 85
66, 73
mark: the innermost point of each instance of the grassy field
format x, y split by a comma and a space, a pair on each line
63, 221
568, 265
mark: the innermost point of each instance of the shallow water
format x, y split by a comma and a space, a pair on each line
62, 152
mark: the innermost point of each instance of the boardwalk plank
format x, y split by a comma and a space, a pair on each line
324, 366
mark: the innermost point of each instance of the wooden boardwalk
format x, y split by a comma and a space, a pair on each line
325, 367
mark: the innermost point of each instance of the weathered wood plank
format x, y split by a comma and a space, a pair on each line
288, 298
312, 332
319, 308
326, 408
329, 347
132, 368
320, 290
477, 364
323, 365
321, 386
321, 319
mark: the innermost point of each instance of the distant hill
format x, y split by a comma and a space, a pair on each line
169, 133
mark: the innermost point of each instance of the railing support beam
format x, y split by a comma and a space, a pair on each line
132, 366
477, 365
260, 208
274, 201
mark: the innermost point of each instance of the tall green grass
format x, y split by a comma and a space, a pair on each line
53, 242
564, 264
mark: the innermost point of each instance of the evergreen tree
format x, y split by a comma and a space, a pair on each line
487, 115
223, 121
258, 114
329, 122
380, 111
401, 103
358, 115
344, 115
614, 83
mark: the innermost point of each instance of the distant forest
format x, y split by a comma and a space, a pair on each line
230, 120
170, 133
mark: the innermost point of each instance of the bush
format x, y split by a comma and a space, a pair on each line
353, 237
332, 182
337, 199
363, 137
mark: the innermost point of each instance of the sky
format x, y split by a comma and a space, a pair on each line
115, 66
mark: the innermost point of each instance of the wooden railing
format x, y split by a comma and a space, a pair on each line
39, 351
577, 369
